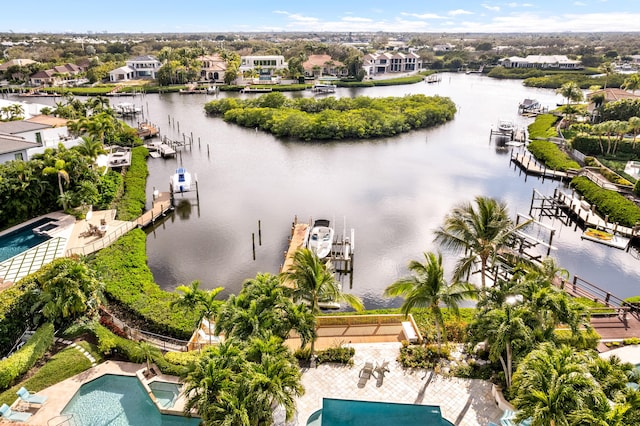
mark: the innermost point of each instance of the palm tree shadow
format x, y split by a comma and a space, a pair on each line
420, 396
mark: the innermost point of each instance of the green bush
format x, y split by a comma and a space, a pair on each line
473, 370
543, 127
132, 203
588, 339
15, 311
632, 341
341, 355
608, 203
549, 154
303, 354
422, 356
23, 359
130, 284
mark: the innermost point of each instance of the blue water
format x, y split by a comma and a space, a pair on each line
166, 393
118, 401
22, 239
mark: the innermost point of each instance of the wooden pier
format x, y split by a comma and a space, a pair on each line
298, 236
160, 207
530, 166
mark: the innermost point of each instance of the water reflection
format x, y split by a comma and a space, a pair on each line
393, 191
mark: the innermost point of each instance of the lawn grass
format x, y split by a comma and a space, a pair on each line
64, 364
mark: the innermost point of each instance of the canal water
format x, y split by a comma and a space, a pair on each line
393, 192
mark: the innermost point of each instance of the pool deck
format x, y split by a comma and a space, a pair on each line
59, 395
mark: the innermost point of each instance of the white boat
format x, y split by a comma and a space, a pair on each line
181, 181
506, 126
321, 238
127, 108
324, 88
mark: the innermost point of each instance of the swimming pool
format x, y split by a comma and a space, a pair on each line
119, 401
22, 239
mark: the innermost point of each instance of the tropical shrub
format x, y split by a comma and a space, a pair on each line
555, 81
549, 154
129, 283
621, 110
609, 203
588, 339
24, 358
543, 127
422, 356
15, 312
339, 354
132, 204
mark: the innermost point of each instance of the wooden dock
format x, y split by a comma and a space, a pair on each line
161, 205
298, 236
531, 167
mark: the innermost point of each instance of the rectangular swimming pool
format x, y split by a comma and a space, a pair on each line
22, 239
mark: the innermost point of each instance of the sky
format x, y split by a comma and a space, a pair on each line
188, 16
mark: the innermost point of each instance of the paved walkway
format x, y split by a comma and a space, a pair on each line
463, 402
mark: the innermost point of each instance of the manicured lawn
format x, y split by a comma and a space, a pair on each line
66, 363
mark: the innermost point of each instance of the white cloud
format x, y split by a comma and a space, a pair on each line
459, 12
355, 19
579, 3
492, 8
423, 15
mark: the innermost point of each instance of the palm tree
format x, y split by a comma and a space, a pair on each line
634, 127
552, 384
572, 92
632, 83
481, 232
313, 281
147, 352
620, 128
607, 69
91, 147
427, 288
58, 169
193, 298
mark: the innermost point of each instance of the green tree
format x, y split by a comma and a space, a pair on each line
428, 288
632, 83
69, 289
607, 69
91, 147
313, 281
59, 169
634, 128
192, 297
552, 384
479, 232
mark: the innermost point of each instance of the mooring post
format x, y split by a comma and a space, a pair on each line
253, 244
178, 126
169, 119
259, 233
198, 141
207, 150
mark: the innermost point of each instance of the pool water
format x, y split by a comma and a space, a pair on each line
166, 393
118, 401
22, 239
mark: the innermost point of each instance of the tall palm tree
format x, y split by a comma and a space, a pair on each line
634, 128
313, 281
91, 147
552, 383
427, 288
479, 231
192, 297
572, 92
607, 69
620, 128
58, 168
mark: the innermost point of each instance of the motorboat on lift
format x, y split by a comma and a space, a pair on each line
321, 238
181, 181
506, 126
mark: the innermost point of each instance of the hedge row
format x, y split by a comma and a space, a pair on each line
23, 359
133, 201
551, 156
130, 284
109, 342
616, 206
543, 127
595, 146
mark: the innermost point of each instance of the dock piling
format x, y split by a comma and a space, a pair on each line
259, 233
253, 244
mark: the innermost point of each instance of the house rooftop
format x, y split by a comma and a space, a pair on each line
10, 143
17, 127
48, 120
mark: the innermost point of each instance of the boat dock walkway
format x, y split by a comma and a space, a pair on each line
531, 167
161, 205
297, 240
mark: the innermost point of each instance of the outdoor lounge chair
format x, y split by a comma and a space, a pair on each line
381, 369
30, 398
365, 374
13, 416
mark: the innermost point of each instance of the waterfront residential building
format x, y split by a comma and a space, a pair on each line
390, 62
14, 148
319, 65
213, 68
58, 75
140, 67
541, 61
270, 63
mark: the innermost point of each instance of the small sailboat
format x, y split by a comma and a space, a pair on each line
181, 181
321, 238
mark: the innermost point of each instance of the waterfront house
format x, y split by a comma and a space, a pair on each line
42, 131
268, 63
213, 68
561, 62
140, 67
14, 147
390, 62
598, 98
56, 76
19, 75
319, 65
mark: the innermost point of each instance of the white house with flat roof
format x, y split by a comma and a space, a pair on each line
268, 62
140, 67
541, 61
390, 62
